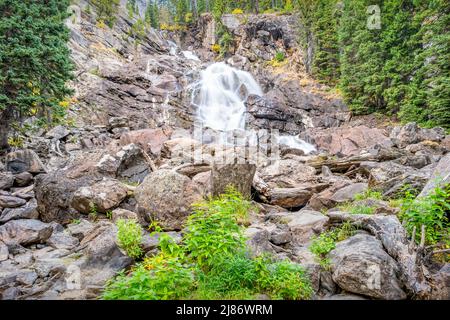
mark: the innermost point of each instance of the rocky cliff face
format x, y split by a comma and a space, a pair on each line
60, 197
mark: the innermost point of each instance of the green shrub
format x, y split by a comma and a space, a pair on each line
280, 56
129, 236
369, 194
325, 242
160, 278
213, 229
210, 263
432, 211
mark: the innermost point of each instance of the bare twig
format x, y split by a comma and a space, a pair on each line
413, 238
422, 237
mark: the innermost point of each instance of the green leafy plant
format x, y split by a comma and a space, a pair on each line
369, 194
93, 213
280, 56
326, 241
431, 211
109, 214
211, 262
129, 236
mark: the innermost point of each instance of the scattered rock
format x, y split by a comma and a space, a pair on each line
24, 160
62, 240
28, 211
6, 180
150, 140
25, 232
102, 196
120, 213
57, 133
23, 179
11, 202
80, 229
349, 192
302, 224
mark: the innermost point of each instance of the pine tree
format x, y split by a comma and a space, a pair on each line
107, 10
34, 60
362, 59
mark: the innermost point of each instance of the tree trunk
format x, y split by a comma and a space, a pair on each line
5, 120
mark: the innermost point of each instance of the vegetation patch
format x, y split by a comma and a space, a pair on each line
212, 262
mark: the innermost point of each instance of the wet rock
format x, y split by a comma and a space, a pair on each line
11, 202
360, 265
25, 232
23, 179
24, 160
349, 192
167, 197
28, 211
102, 196
6, 180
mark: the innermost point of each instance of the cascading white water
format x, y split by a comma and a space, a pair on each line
220, 97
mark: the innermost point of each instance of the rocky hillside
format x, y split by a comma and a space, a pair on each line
126, 154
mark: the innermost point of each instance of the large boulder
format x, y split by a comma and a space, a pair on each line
167, 196
439, 177
346, 141
28, 211
150, 140
25, 232
287, 173
103, 196
54, 194
239, 176
302, 224
360, 265
411, 133
349, 192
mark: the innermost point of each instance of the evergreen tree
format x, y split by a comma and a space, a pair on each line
361, 60
107, 10
34, 60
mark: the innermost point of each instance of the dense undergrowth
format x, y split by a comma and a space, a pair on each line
211, 262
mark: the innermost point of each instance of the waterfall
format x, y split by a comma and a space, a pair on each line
220, 95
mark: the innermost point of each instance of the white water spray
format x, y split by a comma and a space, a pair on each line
220, 97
